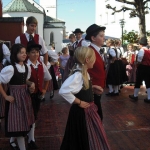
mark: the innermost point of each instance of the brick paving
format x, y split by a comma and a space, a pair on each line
127, 124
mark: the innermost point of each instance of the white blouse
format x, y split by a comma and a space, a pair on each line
47, 75
7, 72
53, 55
72, 85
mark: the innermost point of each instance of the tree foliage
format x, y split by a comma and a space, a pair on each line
131, 37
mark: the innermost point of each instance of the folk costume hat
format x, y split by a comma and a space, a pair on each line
92, 29
143, 41
32, 44
78, 31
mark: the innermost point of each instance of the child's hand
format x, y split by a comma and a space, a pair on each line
84, 104
9, 98
32, 87
43, 92
97, 89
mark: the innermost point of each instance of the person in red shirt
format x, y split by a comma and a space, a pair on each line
95, 34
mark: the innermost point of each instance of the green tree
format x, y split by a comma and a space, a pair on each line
131, 37
139, 10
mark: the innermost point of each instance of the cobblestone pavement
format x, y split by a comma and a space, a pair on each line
127, 124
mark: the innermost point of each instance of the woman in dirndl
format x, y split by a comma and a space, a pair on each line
84, 129
18, 109
130, 55
115, 70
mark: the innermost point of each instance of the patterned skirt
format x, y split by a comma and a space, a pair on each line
84, 130
19, 114
131, 73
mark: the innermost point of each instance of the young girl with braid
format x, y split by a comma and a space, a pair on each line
83, 123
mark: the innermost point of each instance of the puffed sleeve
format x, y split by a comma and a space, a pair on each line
112, 52
6, 74
6, 52
72, 85
17, 40
125, 55
47, 75
140, 55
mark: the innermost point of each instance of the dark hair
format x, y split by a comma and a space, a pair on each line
31, 20
15, 49
72, 36
95, 34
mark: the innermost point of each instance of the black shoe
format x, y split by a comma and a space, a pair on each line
133, 97
110, 94
14, 147
147, 100
116, 94
51, 94
32, 145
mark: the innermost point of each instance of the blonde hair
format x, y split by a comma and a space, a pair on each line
111, 41
64, 50
130, 45
148, 38
80, 55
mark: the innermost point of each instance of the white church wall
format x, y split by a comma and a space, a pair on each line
58, 37
58, 24
50, 7
38, 16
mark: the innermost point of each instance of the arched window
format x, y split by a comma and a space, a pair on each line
51, 38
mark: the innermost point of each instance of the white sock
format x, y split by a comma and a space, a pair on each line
31, 134
110, 88
21, 143
116, 88
148, 93
136, 91
12, 139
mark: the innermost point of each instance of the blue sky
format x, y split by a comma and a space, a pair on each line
76, 13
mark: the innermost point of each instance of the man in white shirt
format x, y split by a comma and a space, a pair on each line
30, 35
80, 42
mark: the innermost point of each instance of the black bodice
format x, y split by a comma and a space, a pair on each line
19, 78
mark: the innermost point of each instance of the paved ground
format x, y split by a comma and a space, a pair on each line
126, 123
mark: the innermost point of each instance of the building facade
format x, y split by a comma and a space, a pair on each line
104, 17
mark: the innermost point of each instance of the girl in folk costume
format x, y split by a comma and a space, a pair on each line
63, 60
80, 41
114, 75
18, 110
39, 72
130, 56
96, 35
4, 54
70, 62
143, 70
84, 124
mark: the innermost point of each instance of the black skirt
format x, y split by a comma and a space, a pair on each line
76, 136
116, 73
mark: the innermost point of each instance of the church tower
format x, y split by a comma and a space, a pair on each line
50, 7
